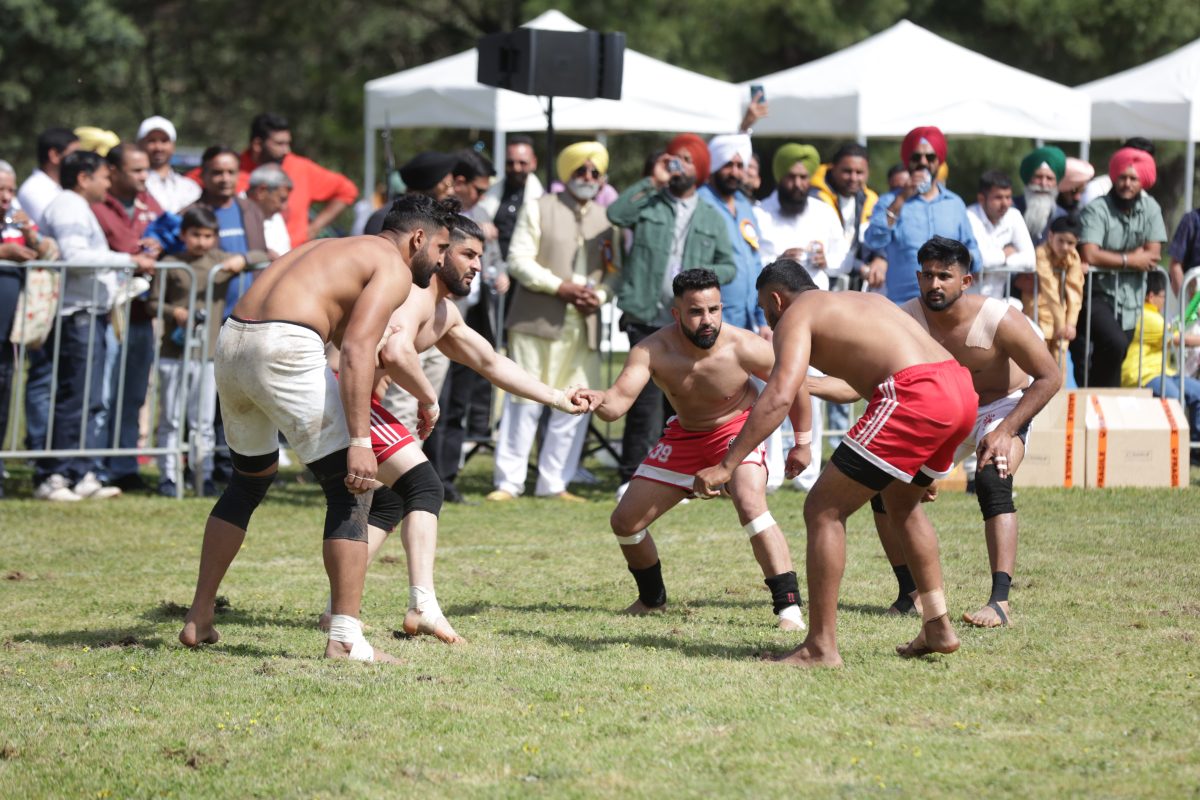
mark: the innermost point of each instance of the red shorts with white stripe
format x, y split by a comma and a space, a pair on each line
915, 421
680, 453
388, 434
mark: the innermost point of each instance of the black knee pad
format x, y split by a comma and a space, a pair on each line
995, 493
386, 509
345, 513
420, 489
244, 492
877, 504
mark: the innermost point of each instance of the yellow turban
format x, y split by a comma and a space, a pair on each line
96, 140
575, 156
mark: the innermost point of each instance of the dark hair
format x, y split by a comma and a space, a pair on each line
994, 179
413, 210
1155, 282
850, 150
116, 156
786, 273
651, 160
943, 250
472, 165
199, 217
519, 138
264, 125
1139, 143
81, 162
693, 280
58, 139
895, 170
217, 150
465, 228
1068, 223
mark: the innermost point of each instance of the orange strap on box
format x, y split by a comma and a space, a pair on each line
1166, 407
1102, 447
1068, 460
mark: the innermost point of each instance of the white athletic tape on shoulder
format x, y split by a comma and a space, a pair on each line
759, 524
348, 630
792, 614
933, 604
634, 539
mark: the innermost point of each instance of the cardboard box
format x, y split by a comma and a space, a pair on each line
1135, 441
1055, 454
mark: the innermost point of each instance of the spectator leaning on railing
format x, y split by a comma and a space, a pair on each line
43, 184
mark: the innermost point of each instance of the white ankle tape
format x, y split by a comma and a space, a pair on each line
348, 630
792, 614
634, 539
933, 604
759, 524
424, 601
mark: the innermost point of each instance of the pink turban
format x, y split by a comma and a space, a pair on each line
930, 134
1140, 160
1078, 173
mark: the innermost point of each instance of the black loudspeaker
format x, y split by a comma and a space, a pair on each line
554, 63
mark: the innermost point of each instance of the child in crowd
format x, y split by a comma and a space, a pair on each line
1060, 286
198, 231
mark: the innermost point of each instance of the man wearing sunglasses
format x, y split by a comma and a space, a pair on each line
906, 218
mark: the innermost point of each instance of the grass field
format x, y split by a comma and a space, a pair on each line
1095, 690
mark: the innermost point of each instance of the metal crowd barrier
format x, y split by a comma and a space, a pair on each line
97, 308
1087, 335
1009, 273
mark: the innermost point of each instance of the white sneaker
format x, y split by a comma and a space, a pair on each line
91, 489
55, 488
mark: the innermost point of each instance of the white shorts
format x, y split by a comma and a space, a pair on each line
272, 377
987, 419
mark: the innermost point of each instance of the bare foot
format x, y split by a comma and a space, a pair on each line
936, 636
324, 621
993, 615
895, 610
639, 609
417, 623
807, 655
195, 634
341, 650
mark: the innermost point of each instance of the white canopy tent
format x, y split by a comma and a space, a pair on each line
905, 77
655, 96
1160, 99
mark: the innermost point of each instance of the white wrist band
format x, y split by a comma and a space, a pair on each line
360, 441
804, 437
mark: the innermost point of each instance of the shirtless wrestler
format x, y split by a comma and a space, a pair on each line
922, 405
1013, 374
272, 377
704, 368
411, 493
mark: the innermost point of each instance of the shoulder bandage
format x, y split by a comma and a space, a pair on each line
759, 524
792, 614
933, 604
634, 539
914, 309
346, 629
983, 329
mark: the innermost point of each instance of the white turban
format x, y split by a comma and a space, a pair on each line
722, 149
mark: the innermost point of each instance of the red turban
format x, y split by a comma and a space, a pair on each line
1140, 160
698, 151
930, 134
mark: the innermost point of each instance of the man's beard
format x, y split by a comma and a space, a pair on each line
942, 304
1121, 203
423, 267
1067, 201
726, 186
704, 340
1039, 206
794, 202
679, 185
458, 286
516, 180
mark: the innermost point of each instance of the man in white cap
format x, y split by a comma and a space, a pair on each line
173, 191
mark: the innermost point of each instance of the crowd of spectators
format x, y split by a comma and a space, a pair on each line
554, 256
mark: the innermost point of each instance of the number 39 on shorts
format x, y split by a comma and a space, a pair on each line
660, 453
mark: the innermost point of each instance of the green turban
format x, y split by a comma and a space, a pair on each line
1049, 155
787, 156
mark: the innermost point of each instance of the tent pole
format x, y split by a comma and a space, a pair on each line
368, 158
1085, 151
498, 137
549, 142
1189, 163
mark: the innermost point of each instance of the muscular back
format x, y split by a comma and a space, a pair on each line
859, 337
318, 283
708, 391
